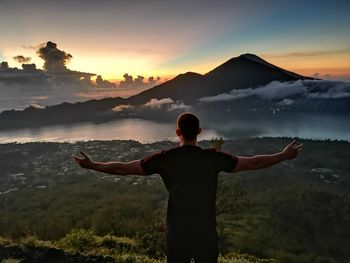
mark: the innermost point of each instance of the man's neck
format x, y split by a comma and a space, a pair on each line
193, 143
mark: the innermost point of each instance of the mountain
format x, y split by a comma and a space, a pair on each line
242, 72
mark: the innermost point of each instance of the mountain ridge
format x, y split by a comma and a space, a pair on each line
242, 72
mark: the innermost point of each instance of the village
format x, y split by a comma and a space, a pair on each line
41, 165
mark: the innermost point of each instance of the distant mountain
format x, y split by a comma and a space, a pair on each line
242, 72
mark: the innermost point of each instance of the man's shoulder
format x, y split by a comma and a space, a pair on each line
219, 154
164, 152
189, 149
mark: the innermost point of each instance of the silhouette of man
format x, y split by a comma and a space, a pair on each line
190, 173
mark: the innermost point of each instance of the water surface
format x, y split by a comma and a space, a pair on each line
307, 126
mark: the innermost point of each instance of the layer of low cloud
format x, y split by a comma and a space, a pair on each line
286, 102
311, 89
179, 106
56, 83
157, 104
168, 104
36, 106
122, 107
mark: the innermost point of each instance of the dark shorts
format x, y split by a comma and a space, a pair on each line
182, 247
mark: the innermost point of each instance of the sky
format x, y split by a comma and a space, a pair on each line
166, 38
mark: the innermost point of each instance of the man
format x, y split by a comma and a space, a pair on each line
190, 175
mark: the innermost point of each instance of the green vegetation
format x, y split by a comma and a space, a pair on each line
81, 245
297, 211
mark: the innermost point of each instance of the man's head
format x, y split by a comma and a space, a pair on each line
188, 126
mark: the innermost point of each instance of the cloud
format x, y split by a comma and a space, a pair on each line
40, 97
4, 65
21, 87
56, 83
179, 106
22, 59
36, 106
55, 59
29, 67
307, 53
327, 89
139, 51
122, 107
311, 89
285, 102
35, 48
276, 90
157, 104
172, 105
131, 82
102, 83
153, 81
220, 97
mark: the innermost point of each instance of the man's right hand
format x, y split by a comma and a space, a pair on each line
291, 151
85, 161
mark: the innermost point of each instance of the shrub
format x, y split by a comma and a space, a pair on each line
152, 244
5, 241
10, 260
132, 258
122, 244
33, 241
79, 240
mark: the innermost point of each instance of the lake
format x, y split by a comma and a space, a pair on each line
306, 126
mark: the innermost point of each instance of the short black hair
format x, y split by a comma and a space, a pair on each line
188, 123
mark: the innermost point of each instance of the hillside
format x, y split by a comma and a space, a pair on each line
294, 212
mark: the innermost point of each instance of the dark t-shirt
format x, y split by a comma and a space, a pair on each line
190, 175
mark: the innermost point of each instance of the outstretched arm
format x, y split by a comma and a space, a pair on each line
116, 168
262, 161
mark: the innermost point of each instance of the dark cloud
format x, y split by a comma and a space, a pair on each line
22, 59
138, 82
55, 59
153, 81
29, 67
102, 83
29, 74
128, 81
4, 65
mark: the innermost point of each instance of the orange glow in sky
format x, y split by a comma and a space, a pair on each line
162, 38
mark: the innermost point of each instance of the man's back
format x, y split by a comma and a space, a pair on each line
190, 176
